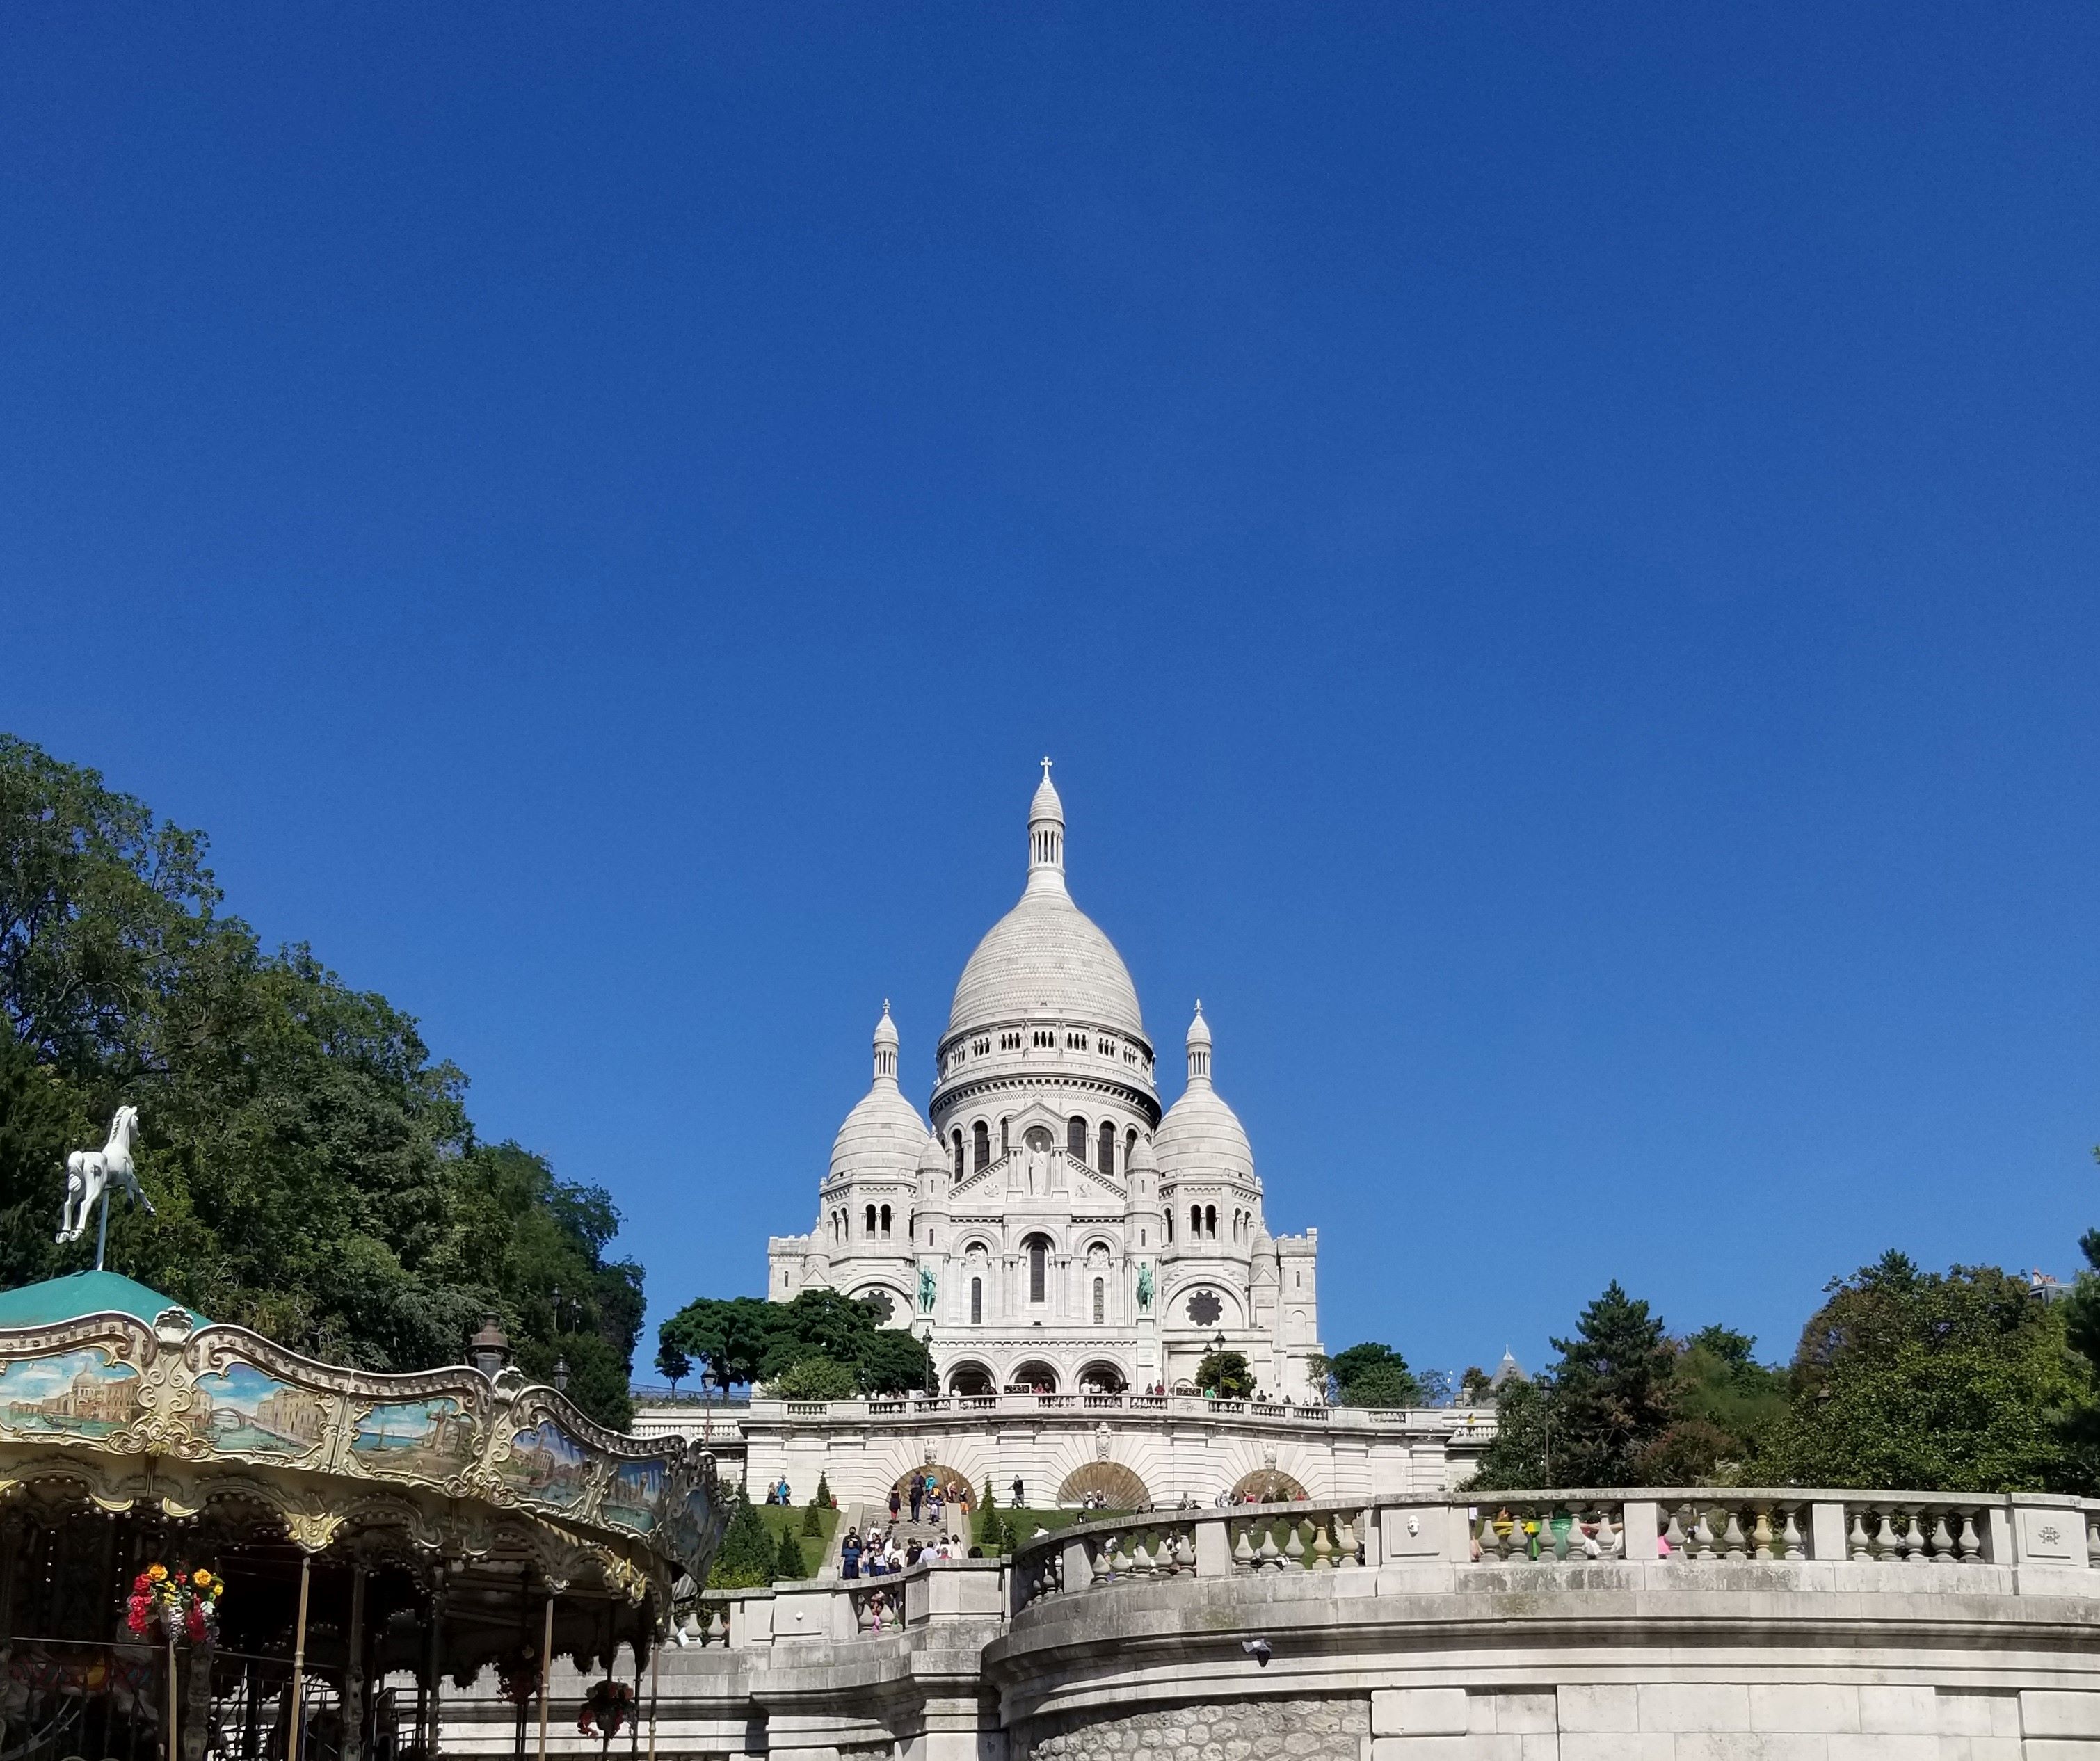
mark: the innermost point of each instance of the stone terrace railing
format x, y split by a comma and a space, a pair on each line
836, 1611
1690, 1528
1478, 1421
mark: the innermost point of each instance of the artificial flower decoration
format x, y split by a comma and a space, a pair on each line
607, 1707
181, 1605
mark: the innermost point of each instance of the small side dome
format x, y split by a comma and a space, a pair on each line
883, 1135
1200, 1134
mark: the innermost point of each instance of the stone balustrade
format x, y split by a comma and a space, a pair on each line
1661, 1624
1466, 1419
836, 1610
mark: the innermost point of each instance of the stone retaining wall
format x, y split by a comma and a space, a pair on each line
1270, 1729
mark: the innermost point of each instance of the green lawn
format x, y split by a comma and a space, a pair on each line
789, 1519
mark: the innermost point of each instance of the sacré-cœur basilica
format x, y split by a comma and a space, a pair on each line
1052, 1230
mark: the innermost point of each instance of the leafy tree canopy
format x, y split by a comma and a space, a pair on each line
1588, 1420
1930, 1382
1225, 1374
315, 1171
1371, 1375
745, 1339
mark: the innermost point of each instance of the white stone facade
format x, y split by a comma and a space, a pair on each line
1133, 1450
1049, 1229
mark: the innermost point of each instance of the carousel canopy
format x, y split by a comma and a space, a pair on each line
85, 1293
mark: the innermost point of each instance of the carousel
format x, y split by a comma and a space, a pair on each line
211, 1547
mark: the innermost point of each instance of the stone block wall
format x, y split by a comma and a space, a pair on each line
1284, 1728
1732, 1721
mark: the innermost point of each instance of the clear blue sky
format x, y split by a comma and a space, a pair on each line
1555, 548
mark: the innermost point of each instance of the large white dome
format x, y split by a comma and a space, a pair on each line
1046, 957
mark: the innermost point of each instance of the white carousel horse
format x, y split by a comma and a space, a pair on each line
91, 1173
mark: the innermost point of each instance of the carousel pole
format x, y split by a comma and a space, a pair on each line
435, 1659
634, 1723
298, 1656
655, 1654
174, 1735
546, 1672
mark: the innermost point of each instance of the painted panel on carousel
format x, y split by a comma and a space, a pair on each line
549, 1466
243, 1410
429, 1439
77, 1394
634, 1495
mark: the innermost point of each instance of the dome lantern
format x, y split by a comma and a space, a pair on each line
1199, 1049
885, 1048
1045, 835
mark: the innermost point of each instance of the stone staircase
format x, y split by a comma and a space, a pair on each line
876, 1517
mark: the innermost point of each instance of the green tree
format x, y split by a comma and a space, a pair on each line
991, 1531
814, 1378
1370, 1374
314, 1170
673, 1365
744, 1340
1226, 1374
892, 1362
813, 1519
1588, 1419
823, 1498
748, 1555
1928, 1382
2078, 1427
1476, 1388
789, 1564
1723, 1403
1517, 1456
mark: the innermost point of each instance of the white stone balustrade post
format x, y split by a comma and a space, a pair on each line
1078, 1566
1826, 1531
1640, 1526
1214, 1547
751, 1623
1410, 1532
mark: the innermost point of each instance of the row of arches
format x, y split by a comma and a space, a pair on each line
971, 1379
1202, 1224
1082, 1140
1103, 1485
875, 1224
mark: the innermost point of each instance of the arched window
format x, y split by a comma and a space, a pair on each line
958, 1155
1039, 1268
1005, 1146
885, 1222
1129, 1145
1195, 1222
1211, 1221
980, 1143
870, 1230
1108, 1148
1100, 1301
976, 1302
1075, 1138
